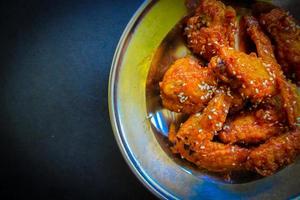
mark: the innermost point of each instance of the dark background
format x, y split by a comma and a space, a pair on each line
56, 140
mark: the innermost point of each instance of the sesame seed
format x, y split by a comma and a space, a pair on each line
192, 62
182, 98
209, 117
219, 124
267, 64
232, 149
226, 127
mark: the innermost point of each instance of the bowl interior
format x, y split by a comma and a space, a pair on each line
170, 49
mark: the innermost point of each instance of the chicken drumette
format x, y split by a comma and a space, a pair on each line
283, 28
194, 142
187, 87
211, 27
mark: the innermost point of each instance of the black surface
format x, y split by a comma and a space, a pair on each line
56, 140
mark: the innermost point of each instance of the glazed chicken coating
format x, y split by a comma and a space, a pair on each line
194, 139
187, 87
286, 89
275, 153
247, 72
284, 30
211, 27
262, 42
252, 127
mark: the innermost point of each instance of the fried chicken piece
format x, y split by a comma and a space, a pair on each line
245, 72
194, 139
290, 101
211, 27
276, 153
262, 42
284, 30
187, 87
286, 89
252, 127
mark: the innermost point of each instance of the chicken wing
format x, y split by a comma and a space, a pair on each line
247, 72
194, 139
286, 89
252, 127
274, 154
211, 27
187, 87
284, 30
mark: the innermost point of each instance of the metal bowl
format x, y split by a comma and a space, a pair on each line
148, 45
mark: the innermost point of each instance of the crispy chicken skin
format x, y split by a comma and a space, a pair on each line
194, 142
248, 72
286, 89
275, 153
211, 27
283, 28
187, 87
290, 101
252, 127
263, 44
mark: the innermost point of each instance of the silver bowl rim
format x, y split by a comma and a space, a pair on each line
113, 112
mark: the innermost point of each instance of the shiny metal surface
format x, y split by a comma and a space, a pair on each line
147, 47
